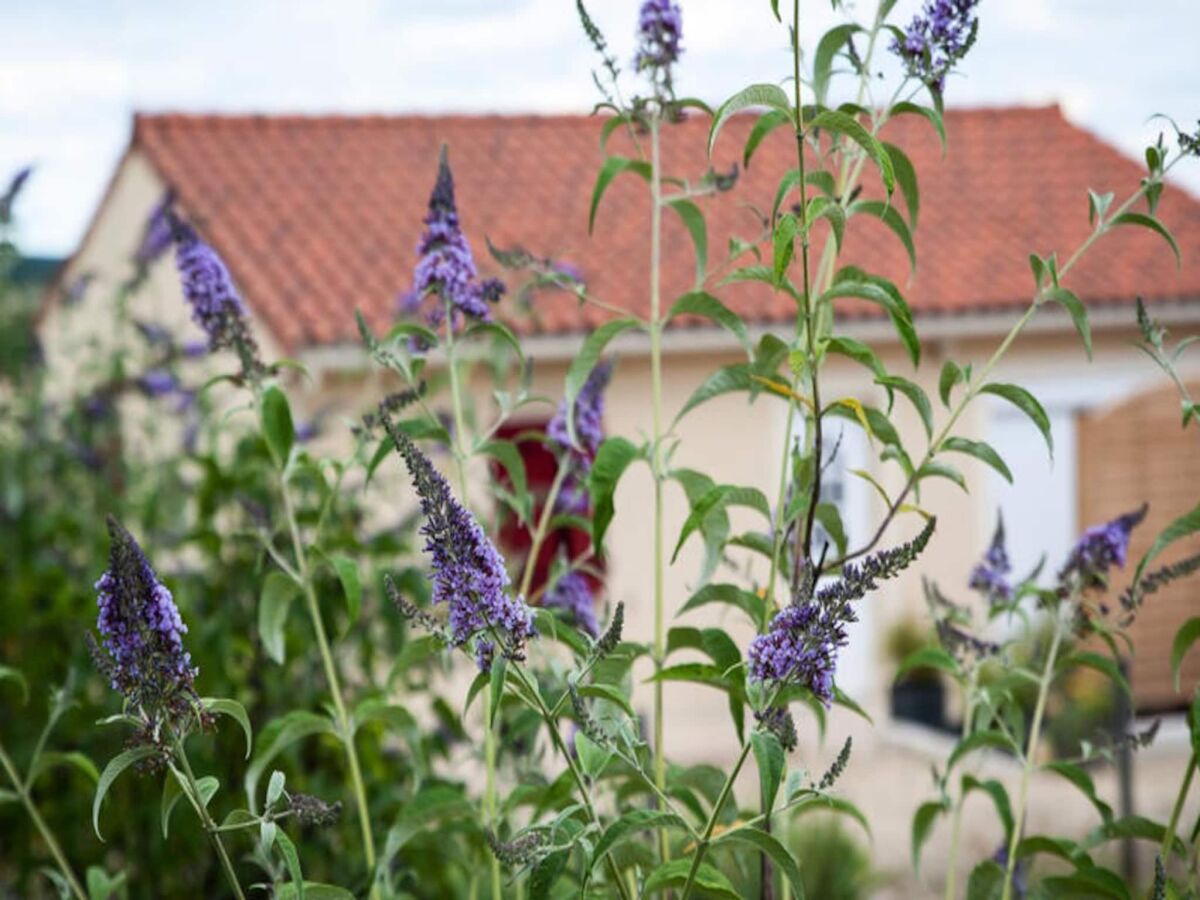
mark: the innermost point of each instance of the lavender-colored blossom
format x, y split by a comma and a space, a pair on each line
158, 383
1020, 878
445, 266
1099, 549
217, 307
660, 30
9, 197
937, 38
156, 233
194, 349
990, 575
800, 647
153, 334
141, 630
573, 594
74, 293
468, 572
588, 418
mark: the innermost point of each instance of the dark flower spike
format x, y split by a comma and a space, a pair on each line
310, 810
990, 575
1132, 596
1190, 143
572, 593
612, 635
777, 720
936, 39
963, 645
217, 307
445, 265
468, 572
157, 233
1099, 549
1158, 890
584, 719
411, 611
391, 404
142, 633
9, 197
839, 766
520, 851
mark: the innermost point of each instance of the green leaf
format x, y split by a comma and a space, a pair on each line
934, 469
509, 456
1082, 780
614, 166
1078, 312
99, 885
769, 755
731, 594
771, 95
922, 825
930, 658
592, 757
831, 42
631, 823
693, 221
1185, 637
785, 246
8, 673
840, 122
719, 497
854, 282
999, 795
278, 592
277, 425
279, 734
288, 850
1154, 224
929, 113
701, 303
915, 394
235, 711
1027, 403
951, 375
173, 789
112, 771
859, 352
546, 873
314, 890
674, 874
727, 380
1087, 881
496, 678
610, 693
51, 759
502, 333
981, 451
986, 881
347, 573
1135, 827
582, 365
766, 123
378, 709
1101, 664
906, 177
433, 802
980, 740
1187, 524
888, 215
612, 459
780, 855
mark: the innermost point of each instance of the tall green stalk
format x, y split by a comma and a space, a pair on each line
656, 462
22, 790
1062, 619
194, 797
956, 822
1169, 836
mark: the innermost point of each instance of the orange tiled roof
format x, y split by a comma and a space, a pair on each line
316, 216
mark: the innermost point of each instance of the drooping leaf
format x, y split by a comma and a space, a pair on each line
112, 771
769, 755
841, 123
766, 123
583, 363
981, 451
612, 167
906, 178
889, 216
278, 735
277, 425
951, 375
771, 846
225, 707
929, 113
756, 95
1078, 312
702, 303
693, 220
831, 42
631, 823
612, 459
922, 825
1027, 403
1155, 225
278, 592
673, 874
1185, 525
1185, 637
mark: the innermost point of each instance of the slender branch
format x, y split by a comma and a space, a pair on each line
539, 534
197, 801
956, 826
1168, 840
706, 838
56, 851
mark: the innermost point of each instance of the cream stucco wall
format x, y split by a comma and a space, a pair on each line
733, 443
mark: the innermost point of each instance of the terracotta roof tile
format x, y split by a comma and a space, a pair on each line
319, 215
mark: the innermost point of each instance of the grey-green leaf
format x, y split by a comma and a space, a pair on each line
981, 451
112, 771
612, 167
277, 425
756, 95
1027, 403
278, 592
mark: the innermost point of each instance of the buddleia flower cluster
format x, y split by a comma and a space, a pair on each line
659, 35
777, 720
801, 645
468, 573
587, 417
141, 652
445, 266
208, 288
156, 233
9, 198
936, 39
572, 593
1099, 549
990, 575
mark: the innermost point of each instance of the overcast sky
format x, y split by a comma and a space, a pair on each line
72, 72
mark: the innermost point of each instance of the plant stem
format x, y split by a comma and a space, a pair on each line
43, 829
580, 782
489, 792
656, 465
331, 678
539, 534
456, 399
956, 824
702, 845
197, 801
1169, 838
1061, 618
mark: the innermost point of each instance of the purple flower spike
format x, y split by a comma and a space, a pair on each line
937, 39
990, 576
573, 594
142, 631
9, 197
158, 383
589, 434
1100, 548
156, 233
217, 306
800, 647
660, 30
446, 266
468, 572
